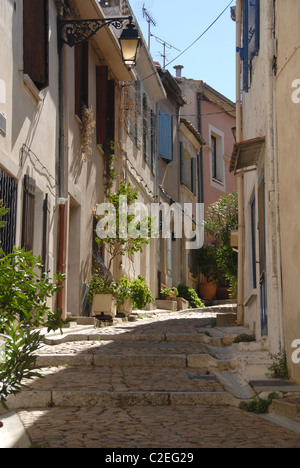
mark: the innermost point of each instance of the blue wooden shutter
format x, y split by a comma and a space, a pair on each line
166, 136
251, 13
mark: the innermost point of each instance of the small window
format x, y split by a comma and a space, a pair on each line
36, 41
217, 165
214, 157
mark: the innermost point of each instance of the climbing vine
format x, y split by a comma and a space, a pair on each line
109, 173
86, 131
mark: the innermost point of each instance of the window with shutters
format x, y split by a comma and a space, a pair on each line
45, 239
251, 38
153, 142
105, 107
28, 213
81, 52
8, 194
217, 164
166, 136
145, 129
36, 42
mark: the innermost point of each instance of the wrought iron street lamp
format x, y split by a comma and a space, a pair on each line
72, 32
129, 42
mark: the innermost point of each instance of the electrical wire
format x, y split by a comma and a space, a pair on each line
201, 35
193, 43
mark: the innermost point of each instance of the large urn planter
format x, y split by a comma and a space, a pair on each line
104, 304
208, 290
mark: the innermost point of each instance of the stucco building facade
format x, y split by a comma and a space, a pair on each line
264, 160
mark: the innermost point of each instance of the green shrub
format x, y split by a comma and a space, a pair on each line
259, 405
190, 295
140, 293
244, 338
24, 293
279, 368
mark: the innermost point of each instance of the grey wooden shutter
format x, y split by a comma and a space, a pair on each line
194, 175
181, 163
102, 102
166, 136
28, 213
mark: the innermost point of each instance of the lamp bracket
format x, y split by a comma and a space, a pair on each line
72, 32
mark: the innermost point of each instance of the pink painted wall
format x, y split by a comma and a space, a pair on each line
212, 115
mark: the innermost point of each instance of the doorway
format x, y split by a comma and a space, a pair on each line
262, 256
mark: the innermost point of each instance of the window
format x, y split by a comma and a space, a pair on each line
28, 213
153, 140
214, 157
145, 129
105, 108
35, 42
217, 164
166, 136
81, 52
8, 193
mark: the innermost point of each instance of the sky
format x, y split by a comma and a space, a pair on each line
179, 23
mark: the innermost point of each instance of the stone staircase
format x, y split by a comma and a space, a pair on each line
162, 359
149, 362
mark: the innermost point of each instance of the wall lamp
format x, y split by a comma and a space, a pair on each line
72, 32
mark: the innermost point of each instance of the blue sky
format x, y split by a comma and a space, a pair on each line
180, 23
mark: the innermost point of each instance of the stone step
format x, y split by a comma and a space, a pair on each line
288, 407
126, 386
200, 361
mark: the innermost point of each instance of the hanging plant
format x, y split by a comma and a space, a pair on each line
86, 130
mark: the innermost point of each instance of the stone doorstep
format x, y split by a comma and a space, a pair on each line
289, 409
65, 398
200, 361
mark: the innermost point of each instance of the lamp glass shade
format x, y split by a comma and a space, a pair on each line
129, 42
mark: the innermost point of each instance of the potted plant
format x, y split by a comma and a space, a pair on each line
103, 295
140, 293
169, 293
207, 258
125, 301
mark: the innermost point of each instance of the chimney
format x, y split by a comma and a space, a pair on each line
178, 69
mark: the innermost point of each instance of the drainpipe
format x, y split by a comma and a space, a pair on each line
62, 189
240, 177
200, 154
272, 179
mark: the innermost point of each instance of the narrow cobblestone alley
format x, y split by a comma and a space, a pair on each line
152, 383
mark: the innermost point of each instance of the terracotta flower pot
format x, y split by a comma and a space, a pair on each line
208, 290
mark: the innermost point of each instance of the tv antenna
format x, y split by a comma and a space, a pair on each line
165, 45
151, 21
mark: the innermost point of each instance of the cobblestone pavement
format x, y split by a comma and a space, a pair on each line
158, 427
164, 425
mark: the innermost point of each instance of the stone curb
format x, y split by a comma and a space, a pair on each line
65, 398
